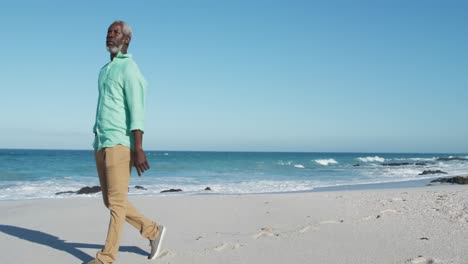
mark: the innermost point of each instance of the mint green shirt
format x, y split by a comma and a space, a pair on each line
121, 103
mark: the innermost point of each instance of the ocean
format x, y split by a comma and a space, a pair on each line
35, 174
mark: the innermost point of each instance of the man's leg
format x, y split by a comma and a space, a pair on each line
146, 227
99, 156
116, 178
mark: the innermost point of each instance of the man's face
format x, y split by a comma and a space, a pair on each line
115, 38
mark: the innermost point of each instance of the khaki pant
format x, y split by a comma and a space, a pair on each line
114, 166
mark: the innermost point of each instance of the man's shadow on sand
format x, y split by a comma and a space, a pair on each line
56, 243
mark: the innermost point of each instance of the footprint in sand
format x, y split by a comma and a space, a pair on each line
389, 211
304, 229
330, 222
421, 260
236, 246
265, 232
166, 253
223, 246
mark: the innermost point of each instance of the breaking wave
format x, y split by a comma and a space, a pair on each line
371, 159
325, 162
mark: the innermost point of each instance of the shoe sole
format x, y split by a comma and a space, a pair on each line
161, 237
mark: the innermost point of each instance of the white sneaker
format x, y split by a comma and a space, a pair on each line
156, 243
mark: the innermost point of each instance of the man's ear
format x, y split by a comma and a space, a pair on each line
127, 40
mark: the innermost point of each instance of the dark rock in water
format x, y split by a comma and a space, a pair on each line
397, 164
138, 187
84, 190
89, 190
456, 179
207, 189
355, 165
65, 192
426, 172
452, 158
171, 190
404, 164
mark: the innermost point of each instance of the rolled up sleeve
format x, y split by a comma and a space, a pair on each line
135, 92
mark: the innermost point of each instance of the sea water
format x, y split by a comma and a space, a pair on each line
32, 174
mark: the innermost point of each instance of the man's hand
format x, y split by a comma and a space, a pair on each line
139, 157
139, 161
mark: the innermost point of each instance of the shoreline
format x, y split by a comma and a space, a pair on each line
350, 187
382, 185
346, 187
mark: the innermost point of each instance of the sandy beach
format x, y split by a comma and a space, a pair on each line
406, 225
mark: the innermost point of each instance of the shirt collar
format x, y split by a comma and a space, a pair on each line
120, 55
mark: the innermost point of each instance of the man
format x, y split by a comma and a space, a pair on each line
118, 142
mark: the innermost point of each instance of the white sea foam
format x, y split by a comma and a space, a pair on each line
300, 166
371, 159
39, 189
264, 186
243, 187
399, 173
325, 162
416, 159
283, 163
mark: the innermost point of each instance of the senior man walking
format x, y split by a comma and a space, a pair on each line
118, 142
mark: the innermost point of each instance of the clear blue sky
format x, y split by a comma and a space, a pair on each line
378, 76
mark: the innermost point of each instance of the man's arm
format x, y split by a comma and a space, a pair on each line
135, 89
139, 156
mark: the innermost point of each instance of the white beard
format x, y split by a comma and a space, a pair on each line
114, 49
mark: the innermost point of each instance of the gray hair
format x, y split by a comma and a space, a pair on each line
126, 29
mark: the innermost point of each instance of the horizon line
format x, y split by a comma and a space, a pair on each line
252, 151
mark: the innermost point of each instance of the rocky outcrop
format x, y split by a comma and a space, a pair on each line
426, 172
397, 164
452, 158
94, 189
89, 190
84, 190
456, 179
171, 190
64, 192
207, 189
404, 164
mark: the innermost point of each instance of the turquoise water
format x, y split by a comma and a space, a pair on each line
30, 174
